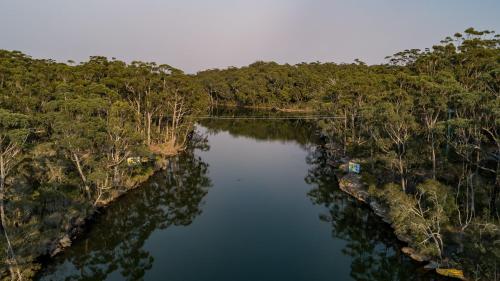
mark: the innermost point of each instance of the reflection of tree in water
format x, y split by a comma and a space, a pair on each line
115, 243
370, 242
299, 131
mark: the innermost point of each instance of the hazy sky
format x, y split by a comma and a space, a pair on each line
195, 34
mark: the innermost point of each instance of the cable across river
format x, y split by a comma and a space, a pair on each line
269, 117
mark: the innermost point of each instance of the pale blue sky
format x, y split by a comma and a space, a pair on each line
195, 34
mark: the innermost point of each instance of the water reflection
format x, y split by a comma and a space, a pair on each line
258, 224
300, 131
114, 247
370, 242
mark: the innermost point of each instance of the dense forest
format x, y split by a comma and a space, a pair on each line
74, 137
425, 127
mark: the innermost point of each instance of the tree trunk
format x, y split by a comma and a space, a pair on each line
494, 195
149, 117
160, 118
433, 159
401, 169
82, 175
11, 257
345, 133
437, 243
353, 127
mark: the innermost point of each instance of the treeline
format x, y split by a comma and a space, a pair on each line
425, 127
74, 137
269, 84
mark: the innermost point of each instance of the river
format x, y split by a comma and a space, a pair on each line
258, 202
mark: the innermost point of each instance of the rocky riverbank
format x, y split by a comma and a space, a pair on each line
80, 222
352, 184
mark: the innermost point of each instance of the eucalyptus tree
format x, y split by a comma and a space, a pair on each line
431, 101
14, 130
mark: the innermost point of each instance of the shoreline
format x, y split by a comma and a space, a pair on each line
80, 224
353, 185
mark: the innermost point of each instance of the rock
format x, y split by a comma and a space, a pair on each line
351, 184
65, 241
387, 220
378, 209
407, 250
401, 237
55, 252
414, 255
451, 272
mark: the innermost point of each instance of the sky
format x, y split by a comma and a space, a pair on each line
194, 35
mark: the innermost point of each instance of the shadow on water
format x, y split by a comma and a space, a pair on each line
115, 243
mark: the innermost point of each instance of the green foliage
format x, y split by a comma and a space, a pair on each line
421, 217
14, 127
66, 132
482, 243
423, 119
267, 84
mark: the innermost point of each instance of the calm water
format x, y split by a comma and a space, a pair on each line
258, 204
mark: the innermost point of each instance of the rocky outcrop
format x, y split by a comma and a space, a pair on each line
58, 245
412, 253
451, 272
352, 184
380, 211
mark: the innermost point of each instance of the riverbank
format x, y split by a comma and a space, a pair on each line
81, 221
353, 184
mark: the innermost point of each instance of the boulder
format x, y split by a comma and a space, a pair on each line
412, 253
451, 272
